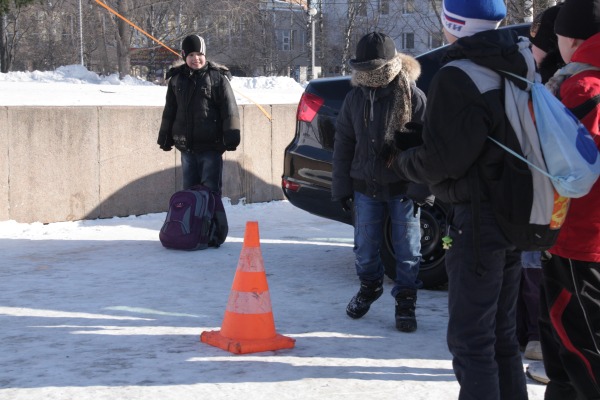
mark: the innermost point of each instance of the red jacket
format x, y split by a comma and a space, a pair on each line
579, 237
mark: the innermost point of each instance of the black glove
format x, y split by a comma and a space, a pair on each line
420, 194
165, 141
347, 203
409, 136
388, 153
231, 139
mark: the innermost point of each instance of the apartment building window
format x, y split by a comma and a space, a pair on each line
408, 41
435, 40
408, 6
284, 40
384, 7
300, 39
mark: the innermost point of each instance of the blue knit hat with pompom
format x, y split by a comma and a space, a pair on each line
467, 17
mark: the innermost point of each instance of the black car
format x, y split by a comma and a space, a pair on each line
306, 180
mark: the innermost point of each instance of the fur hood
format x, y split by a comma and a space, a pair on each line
401, 62
179, 66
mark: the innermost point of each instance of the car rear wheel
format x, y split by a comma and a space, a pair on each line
433, 227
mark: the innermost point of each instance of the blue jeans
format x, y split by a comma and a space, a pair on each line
368, 238
205, 168
482, 300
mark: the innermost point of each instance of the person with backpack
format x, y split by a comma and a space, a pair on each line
544, 46
570, 292
465, 106
201, 117
383, 99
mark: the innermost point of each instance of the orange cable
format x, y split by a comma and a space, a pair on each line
104, 5
137, 27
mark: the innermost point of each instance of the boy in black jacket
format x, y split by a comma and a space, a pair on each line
200, 117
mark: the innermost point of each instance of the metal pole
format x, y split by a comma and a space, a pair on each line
312, 49
311, 15
80, 33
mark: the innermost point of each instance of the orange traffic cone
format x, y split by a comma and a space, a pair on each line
248, 325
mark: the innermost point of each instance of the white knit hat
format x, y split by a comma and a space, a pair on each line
467, 17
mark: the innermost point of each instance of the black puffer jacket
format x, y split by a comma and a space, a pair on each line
200, 111
462, 110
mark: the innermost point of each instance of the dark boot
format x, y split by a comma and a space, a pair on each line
406, 301
368, 293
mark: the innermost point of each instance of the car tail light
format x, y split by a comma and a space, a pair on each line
308, 107
293, 186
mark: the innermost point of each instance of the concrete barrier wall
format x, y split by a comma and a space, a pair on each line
4, 164
72, 163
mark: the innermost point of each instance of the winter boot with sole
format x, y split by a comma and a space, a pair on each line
368, 293
406, 301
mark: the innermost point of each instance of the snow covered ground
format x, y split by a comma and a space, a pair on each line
74, 85
100, 310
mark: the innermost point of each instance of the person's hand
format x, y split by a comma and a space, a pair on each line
409, 136
347, 203
231, 139
388, 153
166, 148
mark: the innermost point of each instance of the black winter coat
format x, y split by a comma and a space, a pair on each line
200, 111
462, 110
357, 162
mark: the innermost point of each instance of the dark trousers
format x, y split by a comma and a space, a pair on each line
482, 300
528, 306
203, 168
570, 328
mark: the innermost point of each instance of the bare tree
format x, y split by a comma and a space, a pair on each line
96, 48
10, 31
520, 11
252, 37
341, 50
414, 26
123, 39
541, 5
161, 23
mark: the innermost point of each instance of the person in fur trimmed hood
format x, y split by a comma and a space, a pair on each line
201, 117
383, 100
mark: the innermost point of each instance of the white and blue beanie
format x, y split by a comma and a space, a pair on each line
467, 17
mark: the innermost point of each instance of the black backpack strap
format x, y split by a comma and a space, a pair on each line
476, 211
586, 107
